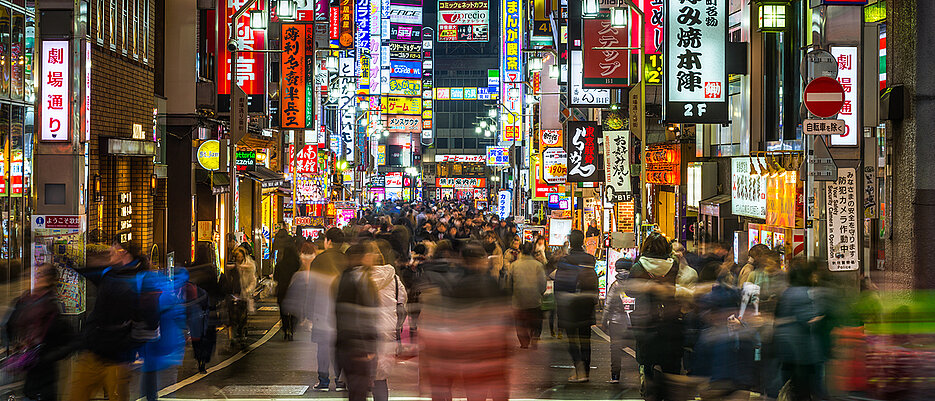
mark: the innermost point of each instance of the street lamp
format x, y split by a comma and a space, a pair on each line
477, 130
286, 9
591, 8
483, 123
535, 64
618, 17
257, 19
492, 113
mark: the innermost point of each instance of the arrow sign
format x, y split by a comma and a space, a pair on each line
823, 127
824, 97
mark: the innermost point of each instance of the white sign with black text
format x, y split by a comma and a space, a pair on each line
841, 213
695, 64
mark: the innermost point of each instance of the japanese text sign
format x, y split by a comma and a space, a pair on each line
306, 161
847, 77
841, 208
581, 145
463, 21
251, 73
654, 25
498, 156
695, 65
617, 165
603, 67
748, 192
55, 77
511, 66
458, 182
346, 11
293, 93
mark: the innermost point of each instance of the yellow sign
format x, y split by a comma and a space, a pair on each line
209, 155
401, 105
426, 114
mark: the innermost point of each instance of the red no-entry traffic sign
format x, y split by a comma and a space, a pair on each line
824, 96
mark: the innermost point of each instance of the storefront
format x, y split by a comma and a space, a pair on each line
464, 188
665, 168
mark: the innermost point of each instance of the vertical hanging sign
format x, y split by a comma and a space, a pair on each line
55, 77
292, 95
695, 74
251, 75
428, 82
841, 208
605, 68
346, 24
653, 25
511, 68
581, 144
846, 57
617, 165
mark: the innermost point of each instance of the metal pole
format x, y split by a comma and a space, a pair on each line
643, 194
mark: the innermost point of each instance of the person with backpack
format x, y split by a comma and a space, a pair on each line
38, 336
124, 317
576, 298
656, 321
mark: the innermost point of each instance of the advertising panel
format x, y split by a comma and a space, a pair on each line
654, 25
498, 156
581, 144
293, 94
617, 165
553, 157
460, 182
847, 77
406, 15
406, 69
695, 64
748, 192
410, 106
663, 164
405, 87
460, 158
251, 74
405, 51
346, 27
56, 81
605, 68
410, 33
403, 123
306, 161
581, 96
841, 230
511, 66
463, 21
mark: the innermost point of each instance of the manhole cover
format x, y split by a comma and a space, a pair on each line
263, 390
268, 309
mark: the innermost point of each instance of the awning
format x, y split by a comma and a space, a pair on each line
266, 177
219, 182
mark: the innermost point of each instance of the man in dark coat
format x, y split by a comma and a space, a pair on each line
576, 297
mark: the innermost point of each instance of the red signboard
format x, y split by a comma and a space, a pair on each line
654, 25
605, 68
346, 24
824, 96
306, 162
292, 95
251, 74
333, 17
663, 164
460, 182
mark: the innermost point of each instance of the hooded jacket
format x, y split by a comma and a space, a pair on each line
615, 314
576, 289
390, 292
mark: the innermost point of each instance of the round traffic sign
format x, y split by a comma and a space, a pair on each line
824, 97
819, 63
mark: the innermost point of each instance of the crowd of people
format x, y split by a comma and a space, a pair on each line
453, 286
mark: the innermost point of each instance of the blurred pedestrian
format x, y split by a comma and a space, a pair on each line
124, 317
310, 299
38, 336
356, 302
167, 350
288, 265
576, 298
616, 319
795, 334
246, 269
528, 281
657, 318
391, 298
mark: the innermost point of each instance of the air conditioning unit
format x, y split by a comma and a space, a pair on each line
206, 95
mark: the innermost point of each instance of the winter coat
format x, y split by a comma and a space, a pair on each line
283, 275
794, 336
528, 279
356, 302
576, 290
169, 348
247, 271
657, 319
37, 319
615, 316
311, 298
390, 292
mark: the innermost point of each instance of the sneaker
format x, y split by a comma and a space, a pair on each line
321, 387
339, 386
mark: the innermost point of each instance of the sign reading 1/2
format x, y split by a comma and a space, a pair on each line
652, 69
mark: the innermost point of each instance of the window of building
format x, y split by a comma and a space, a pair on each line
113, 24
457, 143
99, 21
124, 24
441, 143
470, 143
144, 30
135, 32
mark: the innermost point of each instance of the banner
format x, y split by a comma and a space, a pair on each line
581, 144
653, 26
553, 157
748, 192
406, 69
498, 156
459, 182
346, 27
695, 62
605, 68
405, 51
463, 21
405, 87
617, 165
512, 71
306, 161
504, 204
406, 15
55, 83
410, 33
293, 93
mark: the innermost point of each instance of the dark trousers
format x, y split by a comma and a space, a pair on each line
358, 371
618, 341
579, 345
528, 325
802, 380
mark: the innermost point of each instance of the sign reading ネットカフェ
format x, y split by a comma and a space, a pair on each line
663, 164
695, 65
